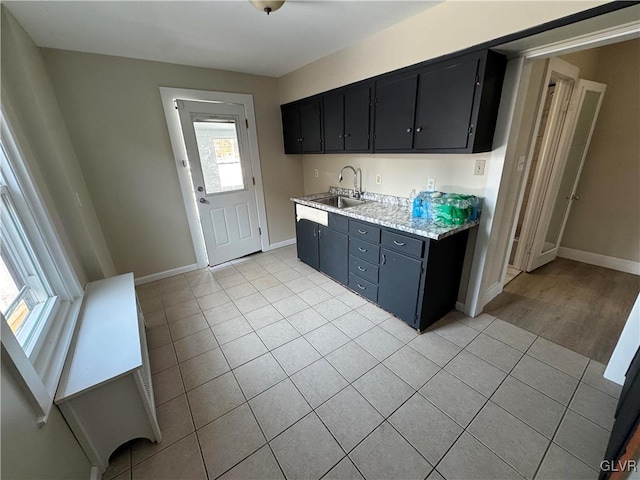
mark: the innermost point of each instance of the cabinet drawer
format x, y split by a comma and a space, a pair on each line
402, 243
339, 222
364, 288
365, 250
365, 231
363, 269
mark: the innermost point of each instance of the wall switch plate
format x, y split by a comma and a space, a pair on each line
378, 179
431, 184
521, 161
316, 173
479, 168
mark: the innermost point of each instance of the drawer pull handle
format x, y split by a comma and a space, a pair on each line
400, 244
384, 259
361, 287
362, 232
362, 249
362, 269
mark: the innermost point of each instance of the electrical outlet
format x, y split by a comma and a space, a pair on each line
316, 173
431, 184
378, 179
479, 168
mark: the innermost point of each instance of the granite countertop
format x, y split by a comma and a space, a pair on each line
385, 210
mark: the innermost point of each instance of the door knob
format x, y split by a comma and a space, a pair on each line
419, 129
409, 130
201, 189
203, 200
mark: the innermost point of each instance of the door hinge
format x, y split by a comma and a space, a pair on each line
253, 179
375, 135
246, 122
185, 164
477, 80
470, 129
259, 231
179, 104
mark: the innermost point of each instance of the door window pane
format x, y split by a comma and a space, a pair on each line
219, 155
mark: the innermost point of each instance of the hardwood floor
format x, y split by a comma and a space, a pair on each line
579, 306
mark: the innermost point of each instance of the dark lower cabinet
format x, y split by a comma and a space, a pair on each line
307, 242
412, 277
399, 284
333, 248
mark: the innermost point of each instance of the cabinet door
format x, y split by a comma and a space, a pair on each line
399, 284
445, 104
333, 123
334, 254
394, 113
307, 242
357, 119
291, 129
311, 127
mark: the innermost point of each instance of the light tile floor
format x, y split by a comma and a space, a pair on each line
264, 368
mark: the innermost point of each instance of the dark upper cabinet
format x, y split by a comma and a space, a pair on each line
445, 104
457, 104
395, 103
347, 120
302, 127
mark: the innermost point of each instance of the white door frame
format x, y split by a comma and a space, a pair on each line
493, 243
555, 68
168, 95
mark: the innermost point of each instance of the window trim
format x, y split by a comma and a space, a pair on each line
41, 368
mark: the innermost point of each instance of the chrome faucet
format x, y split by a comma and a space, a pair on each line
357, 192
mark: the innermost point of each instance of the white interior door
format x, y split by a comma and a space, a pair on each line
560, 193
216, 141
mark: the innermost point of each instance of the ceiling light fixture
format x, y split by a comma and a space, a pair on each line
267, 6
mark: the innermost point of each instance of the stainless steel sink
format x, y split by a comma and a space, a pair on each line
339, 201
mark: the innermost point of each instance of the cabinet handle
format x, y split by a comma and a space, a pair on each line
384, 259
347, 135
362, 232
340, 136
361, 287
362, 249
400, 244
362, 269
409, 130
315, 232
419, 129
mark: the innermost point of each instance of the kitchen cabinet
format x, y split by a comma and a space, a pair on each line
302, 127
333, 250
395, 104
413, 277
307, 242
399, 285
438, 106
323, 248
347, 120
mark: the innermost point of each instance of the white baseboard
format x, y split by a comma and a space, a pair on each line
614, 263
95, 473
493, 292
284, 243
166, 274
460, 307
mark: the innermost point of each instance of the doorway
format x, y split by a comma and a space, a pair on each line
216, 141
567, 117
227, 218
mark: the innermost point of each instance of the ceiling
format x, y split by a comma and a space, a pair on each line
225, 34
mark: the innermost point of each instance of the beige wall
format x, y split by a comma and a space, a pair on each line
42, 135
446, 28
114, 114
605, 220
455, 25
30, 451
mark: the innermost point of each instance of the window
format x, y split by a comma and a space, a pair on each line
40, 294
25, 293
